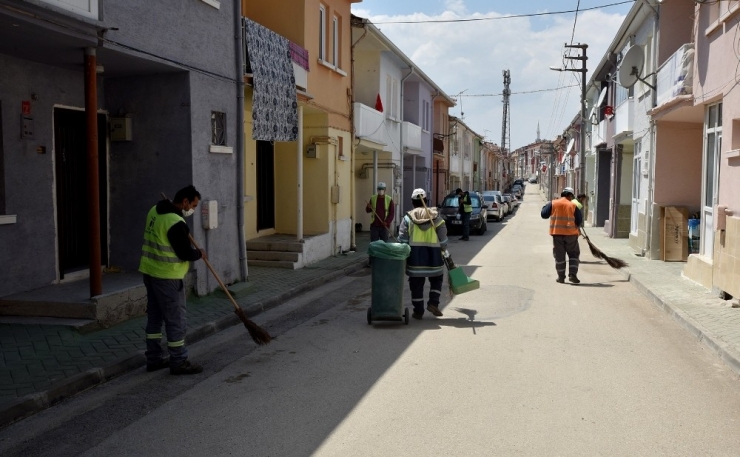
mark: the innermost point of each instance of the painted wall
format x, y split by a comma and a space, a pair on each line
676, 27
287, 15
678, 164
28, 247
368, 77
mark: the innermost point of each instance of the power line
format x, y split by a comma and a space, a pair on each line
513, 16
518, 93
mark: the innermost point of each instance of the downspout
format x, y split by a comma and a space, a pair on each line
240, 215
352, 188
400, 134
653, 139
434, 184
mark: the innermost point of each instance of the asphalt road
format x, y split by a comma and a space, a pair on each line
522, 366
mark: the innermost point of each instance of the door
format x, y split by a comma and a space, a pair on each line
710, 183
636, 177
265, 185
70, 156
603, 178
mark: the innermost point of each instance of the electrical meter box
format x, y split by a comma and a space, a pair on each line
120, 129
209, 213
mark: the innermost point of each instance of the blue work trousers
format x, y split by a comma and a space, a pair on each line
466, 224
165, 304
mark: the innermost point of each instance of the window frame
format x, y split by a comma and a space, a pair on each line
322, 33
335, 42
215, 127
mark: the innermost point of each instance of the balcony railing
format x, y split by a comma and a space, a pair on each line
675, 75
369, 124
624, 117
298, 55
600, 133
411, 135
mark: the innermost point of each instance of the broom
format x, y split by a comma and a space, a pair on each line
258, 334
596, 252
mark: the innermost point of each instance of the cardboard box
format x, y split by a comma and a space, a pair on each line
675, 234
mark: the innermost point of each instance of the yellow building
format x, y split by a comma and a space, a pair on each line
299, 194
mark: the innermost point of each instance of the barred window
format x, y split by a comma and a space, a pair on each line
218, 128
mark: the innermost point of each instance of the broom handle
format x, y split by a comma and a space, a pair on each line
429, 215
210, 267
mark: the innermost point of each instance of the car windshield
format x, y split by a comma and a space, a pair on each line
452, 201
489, 198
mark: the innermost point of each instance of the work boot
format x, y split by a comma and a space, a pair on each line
434, 310
574, 279
158, 365
416, 315
186, 368
561, 279
465, 238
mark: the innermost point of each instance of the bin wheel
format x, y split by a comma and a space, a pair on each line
406, 317
369, 316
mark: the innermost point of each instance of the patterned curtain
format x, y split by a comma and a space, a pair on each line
275, 106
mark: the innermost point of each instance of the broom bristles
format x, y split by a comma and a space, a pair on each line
258, 334
613, 262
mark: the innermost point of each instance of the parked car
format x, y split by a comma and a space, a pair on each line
504, 203
512, 201
496, 209
517, 190
450, 211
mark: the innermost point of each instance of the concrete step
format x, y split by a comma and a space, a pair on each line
283, 246
272, 264
47, 307
274, 255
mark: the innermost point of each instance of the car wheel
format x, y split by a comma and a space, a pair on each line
482, 229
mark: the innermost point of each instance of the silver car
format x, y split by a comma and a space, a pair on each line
496, 206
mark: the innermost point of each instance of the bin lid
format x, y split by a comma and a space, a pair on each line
389, 251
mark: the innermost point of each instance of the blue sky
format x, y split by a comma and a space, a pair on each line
472, 55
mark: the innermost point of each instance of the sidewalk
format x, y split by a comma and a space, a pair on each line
43, 364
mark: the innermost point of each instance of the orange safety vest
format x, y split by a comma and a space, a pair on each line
563, 218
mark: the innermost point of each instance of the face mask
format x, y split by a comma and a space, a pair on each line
188, 212
381, 192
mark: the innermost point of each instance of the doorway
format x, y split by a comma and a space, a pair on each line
603, 180
70, 156
710, 182
265, 185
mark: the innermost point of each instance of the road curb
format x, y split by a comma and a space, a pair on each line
38, 401
715, 346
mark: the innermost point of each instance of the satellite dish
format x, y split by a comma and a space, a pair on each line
631, 68
571, 144
592, 115
602, 97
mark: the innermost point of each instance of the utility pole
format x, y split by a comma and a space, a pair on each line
582, 150
506, 120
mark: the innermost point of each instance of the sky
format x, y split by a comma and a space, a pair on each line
469, 57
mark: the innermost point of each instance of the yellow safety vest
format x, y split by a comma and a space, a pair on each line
467, 204
373, 205
158, 258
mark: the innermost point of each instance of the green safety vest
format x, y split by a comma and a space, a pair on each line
467, 204
373, 205
425, 258
158, 258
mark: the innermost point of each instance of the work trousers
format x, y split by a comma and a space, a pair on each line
378, 232
466, 224
165, 304
416, 284
562, 245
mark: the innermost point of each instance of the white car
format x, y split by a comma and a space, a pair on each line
496, 206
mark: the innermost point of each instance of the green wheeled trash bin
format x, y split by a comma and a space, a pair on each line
388, 278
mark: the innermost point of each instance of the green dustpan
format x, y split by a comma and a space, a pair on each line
460, 282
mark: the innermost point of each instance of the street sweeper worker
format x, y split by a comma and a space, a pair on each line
424, 230
382, 205
466, 209
165, 260
565, 218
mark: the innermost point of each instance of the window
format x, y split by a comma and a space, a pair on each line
322, 33
391, 97
425, 116
218, 128
713, 142
335, 43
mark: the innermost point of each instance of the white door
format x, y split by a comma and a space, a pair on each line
636, 175
710, 181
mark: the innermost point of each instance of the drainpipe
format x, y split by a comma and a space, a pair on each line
243, 272
403, 82
93, 180
352, 189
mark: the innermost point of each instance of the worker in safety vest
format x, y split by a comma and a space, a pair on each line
580, 202
466, 209
382, 205
165, 260
424, 230
565, 218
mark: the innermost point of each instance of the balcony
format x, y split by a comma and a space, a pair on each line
411, 138
624, 120
369, 124
298, 55
599, 133
85, 8
675, 75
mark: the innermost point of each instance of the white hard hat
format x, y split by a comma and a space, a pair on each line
381, 185
568, 190
418, 194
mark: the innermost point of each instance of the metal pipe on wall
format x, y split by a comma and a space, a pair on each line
93, 180
299, 177
240, 210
